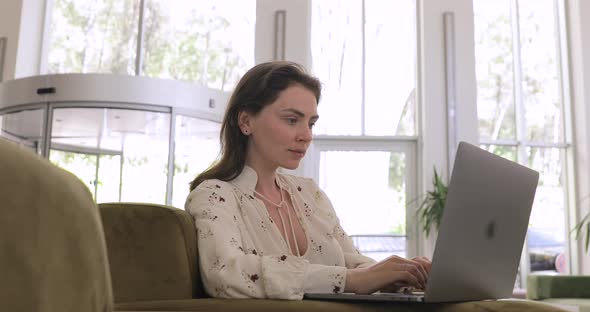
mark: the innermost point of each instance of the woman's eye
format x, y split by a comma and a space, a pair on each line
311, 125
291, 120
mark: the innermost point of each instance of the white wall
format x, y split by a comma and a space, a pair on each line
434, 148
10, 12
298, 30
21, 21
30, 38
579, 53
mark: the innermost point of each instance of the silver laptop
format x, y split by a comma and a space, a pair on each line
481, 234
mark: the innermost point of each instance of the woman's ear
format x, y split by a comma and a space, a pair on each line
244, 121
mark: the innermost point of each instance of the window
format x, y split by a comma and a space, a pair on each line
369, 81
24, 127
369, 183
119, 154
196, 146
365, 148
207, 42
521, 109
93, 36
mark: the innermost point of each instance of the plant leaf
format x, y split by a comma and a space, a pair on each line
431, 207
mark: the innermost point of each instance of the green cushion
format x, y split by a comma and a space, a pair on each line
327, 306
582, 304
558, 286
152, 252
52, 248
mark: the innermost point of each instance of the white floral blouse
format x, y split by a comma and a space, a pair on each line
243, 254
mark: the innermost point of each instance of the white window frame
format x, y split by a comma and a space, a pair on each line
406, 145
521, 143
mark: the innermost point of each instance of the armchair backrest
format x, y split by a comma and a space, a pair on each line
152, 251
52, 248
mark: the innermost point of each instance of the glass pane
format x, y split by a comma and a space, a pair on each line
546, 233
540, 85
494, 69
76, 128
93, 36
24, 128
140, 137
208, 42
390, 73
109, 175
336, 48
197, 146
382, 214
508, 152
80, 164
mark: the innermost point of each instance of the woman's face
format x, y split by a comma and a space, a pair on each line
281, 132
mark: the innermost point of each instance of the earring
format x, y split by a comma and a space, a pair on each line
246, 132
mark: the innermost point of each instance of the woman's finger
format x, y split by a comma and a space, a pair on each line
422, 270
408, 278
410, 269
414, 267
423, 274
413, 272
426, 263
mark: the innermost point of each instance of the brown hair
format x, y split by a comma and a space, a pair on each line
259, 87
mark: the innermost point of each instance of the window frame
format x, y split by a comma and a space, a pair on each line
409, 145
406, 145
521, 143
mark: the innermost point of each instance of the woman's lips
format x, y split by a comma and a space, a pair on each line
299, 153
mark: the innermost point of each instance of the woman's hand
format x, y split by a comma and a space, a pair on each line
389, 274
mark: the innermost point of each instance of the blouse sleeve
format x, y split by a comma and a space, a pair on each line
229, 270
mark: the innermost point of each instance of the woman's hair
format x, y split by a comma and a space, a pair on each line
259, 87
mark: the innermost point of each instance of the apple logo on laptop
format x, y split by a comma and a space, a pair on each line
491, 230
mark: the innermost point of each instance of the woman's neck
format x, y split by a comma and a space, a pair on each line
266, 183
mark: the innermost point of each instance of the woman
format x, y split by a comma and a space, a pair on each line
264, 234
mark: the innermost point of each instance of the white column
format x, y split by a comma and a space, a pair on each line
433, 127
579, 45
297, 35
21, 21
30, 39
10, 12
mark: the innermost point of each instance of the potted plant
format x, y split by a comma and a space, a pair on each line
579, 229
431, 208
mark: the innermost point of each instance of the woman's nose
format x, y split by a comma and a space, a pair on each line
305, 134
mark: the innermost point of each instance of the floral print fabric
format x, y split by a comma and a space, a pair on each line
242, 253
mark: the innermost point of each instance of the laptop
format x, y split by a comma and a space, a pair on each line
481, 234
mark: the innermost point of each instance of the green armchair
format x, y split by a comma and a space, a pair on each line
59, 252
560, 289
52, 247
154, 265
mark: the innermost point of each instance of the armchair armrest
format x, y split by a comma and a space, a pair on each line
152, 250
557, 286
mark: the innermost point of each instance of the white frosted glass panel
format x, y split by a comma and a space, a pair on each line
197, 146
390, 73
336, 46
367, 190
139, 137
